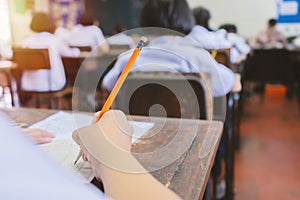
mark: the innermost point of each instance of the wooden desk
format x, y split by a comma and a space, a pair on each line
188, 175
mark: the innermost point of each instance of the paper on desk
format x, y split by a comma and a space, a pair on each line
65, 150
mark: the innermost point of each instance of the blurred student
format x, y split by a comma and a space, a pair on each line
269, 38
5, 51
87, 33
208, 38
174, 53
236, 40
43, 37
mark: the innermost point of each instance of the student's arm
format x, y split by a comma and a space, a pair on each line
106, 145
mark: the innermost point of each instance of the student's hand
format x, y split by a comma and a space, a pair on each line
106, 145
40, 136
113, 126
112, 131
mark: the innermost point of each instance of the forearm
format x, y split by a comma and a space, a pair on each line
128, 185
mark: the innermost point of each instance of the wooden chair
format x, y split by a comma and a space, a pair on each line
180, 95
34, 59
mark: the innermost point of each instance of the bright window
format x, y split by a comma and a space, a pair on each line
5, 36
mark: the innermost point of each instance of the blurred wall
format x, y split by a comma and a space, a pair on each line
20, 16
249, 16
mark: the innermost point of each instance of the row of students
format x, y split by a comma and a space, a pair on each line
220, 39
174, 53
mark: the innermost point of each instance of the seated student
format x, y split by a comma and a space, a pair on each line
236, 41
206, 37
63, 33
43, 37
87, 33
271, 37
174, 53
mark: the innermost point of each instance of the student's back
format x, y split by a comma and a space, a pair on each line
43, 37
86, 33
174, 53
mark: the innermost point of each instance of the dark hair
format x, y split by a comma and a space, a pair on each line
119, 28
87, 19
230, 28
171, 14
272, 22
202, 16
41, 22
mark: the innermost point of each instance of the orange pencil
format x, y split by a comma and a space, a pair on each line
121, 78
118, 84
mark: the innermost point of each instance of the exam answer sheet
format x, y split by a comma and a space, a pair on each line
65, 150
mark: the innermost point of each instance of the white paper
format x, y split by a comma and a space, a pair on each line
65, 150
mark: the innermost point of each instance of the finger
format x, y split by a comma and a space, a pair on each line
75, 137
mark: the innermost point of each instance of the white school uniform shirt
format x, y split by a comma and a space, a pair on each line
239, 42
37, 80
213, 40
175, 54
29, 173
63, 33
85, 36
121, 39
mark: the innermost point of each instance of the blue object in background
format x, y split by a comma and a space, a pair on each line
288, 11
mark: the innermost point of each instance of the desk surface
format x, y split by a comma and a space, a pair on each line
188, 174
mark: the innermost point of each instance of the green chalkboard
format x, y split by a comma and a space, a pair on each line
113, 12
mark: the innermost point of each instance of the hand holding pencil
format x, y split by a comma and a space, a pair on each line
119, 83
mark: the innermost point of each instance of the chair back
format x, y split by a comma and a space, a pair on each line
268, 65
31, 59
119, 47
222, 56
166, 94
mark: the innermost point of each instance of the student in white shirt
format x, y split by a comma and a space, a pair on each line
86, 33
43, 37
206, 37
176, 53
236, 41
